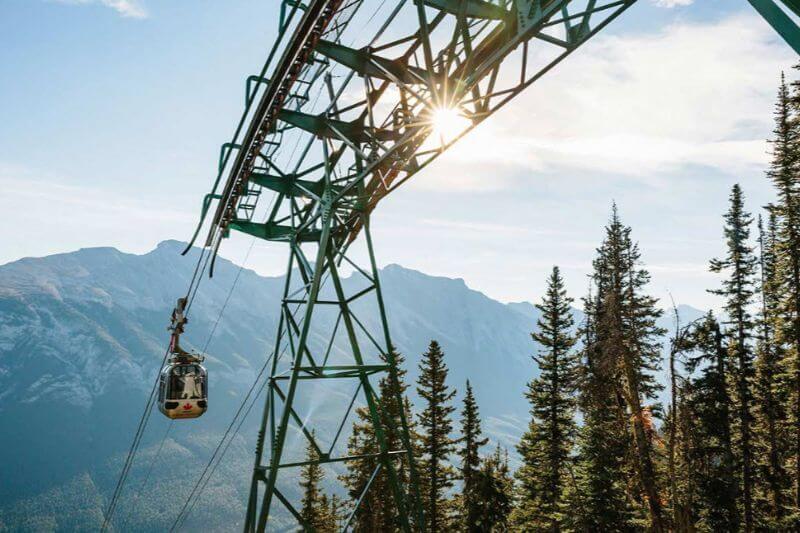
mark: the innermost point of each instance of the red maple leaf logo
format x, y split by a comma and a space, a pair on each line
187, 406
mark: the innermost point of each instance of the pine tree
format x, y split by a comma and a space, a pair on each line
333, 514
469, 451
785, 175
770, 411
378, 510
494, 486
547, 446
436, 443
315, 507
599, 495
627, 341
738, 290
679, 429
709, 451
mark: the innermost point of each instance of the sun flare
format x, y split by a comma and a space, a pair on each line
448, 123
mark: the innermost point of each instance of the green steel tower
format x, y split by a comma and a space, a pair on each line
355, 98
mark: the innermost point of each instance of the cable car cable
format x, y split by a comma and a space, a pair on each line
205, 347
108, 515
194, 285
128, 461
184, 512
186, 508
190, 298
182, 515
147, 476
191, 292
219, 445
133, 449
224, 451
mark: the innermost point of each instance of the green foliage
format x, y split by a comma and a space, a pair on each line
436, 444
738, 289
378, 508
709, 458
546, 446
785, 175
622, 353
469, 451
770, 428
316, 510
494, 486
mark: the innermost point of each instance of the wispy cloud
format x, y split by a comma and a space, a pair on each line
673, 3
693, 94
126, 8
58, 215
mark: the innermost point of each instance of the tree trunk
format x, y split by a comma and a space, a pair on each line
647, 471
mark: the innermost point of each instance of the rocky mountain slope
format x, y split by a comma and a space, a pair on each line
82, 335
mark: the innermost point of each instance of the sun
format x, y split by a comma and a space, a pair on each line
448, 123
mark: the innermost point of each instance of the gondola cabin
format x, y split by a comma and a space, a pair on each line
183, 389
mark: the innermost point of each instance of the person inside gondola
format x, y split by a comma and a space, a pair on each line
190, 385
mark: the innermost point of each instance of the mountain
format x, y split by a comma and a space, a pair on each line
82, 335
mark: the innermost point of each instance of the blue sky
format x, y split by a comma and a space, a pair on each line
112, 113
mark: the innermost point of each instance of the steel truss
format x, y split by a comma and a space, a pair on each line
367, 355
335, 121
780, 20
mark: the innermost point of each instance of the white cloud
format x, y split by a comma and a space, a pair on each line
690, 95
126, 8
673, 3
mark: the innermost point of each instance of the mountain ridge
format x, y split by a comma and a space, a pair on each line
82, 335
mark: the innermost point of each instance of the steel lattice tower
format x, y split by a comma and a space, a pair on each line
343, 112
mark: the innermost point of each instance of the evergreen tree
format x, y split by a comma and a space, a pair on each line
547, 445
599, 497
334, 517
494, 486
378, 509
315, 507
738, 290
785, 175
469, 451
709, 451
436, 444
627, 342
770, 396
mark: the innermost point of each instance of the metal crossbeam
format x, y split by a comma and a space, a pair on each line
780, 21
470, 55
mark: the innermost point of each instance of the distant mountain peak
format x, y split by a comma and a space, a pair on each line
394, 268
171, 244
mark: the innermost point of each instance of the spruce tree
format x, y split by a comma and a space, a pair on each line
738, 290
547, 446
785, 175
469, 452
628, 343
315, 507
770, 411
599, 497
494, 486
708, 453
378, 510
436, 444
